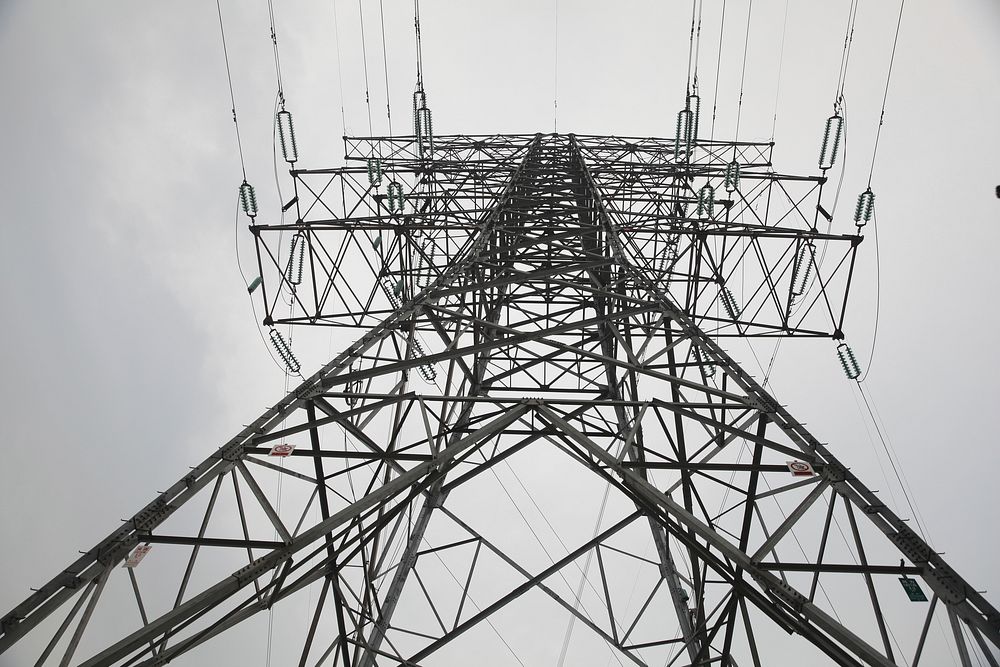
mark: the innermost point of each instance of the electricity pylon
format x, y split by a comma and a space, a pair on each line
541, 317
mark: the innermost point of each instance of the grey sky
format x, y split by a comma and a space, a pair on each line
129, 348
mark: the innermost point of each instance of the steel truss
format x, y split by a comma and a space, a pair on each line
558, 351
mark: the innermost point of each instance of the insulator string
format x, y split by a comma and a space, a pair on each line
232, 95
885, 93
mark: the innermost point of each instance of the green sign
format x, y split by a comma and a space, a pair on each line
912, 589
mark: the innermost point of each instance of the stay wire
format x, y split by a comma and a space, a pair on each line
743, 74
232, 95
694, 12
878, 298
364, 60
718, 69
385, 67
277, 58
892, 463
340, 69
420, 49
781, 63
845, 55
885, 93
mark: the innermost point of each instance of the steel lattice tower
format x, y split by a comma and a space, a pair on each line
552, 304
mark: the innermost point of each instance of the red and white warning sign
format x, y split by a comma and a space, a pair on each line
137, 555
282, 450
800, 469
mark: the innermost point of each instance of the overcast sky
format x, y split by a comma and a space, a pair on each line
129, 349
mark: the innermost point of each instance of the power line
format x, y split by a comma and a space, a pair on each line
232, 95
885, 94
277, 59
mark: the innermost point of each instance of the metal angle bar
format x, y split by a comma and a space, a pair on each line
265, 504
74, 641
775, 586
264, 564
790, 521
66, 623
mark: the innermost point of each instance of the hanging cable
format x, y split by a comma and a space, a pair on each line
277, 59
232, 95
555, 72
885, 94
781, 62
340, 69
845, 55
743, 71
364, 60
385, 67
420, 53
718, 68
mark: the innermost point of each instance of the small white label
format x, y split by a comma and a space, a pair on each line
282, 450
801, 469
137, 555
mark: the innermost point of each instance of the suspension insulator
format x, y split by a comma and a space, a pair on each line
286, 135
353, 388
802, 270
390, 291
374, 172
682, 141
668, 256
865, 208
733, 176
831, 141
394, 197
419, 102
254, 285
284, 351
707, 366
427, 371
296, 259
248, 199
425, 136
425, 264
694, 106
847, 360
729, 303
706, 201
377, 242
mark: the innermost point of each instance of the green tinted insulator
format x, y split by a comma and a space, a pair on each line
729, 303
849, 363
427, 371
394, 197
398, 288
377, 242
865, 208
425, 130
706, 201
419, 102
248, 199
286, 135
374, 172
353, 387
694, 106
254, 285
831, 141
682, 141
707, 366
802, 269
296, 259
284, 351
425, 262
668, 255
390, 293
732, 176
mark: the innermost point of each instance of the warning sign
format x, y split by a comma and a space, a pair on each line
912, 588
282, 450
137, 555
800, 469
